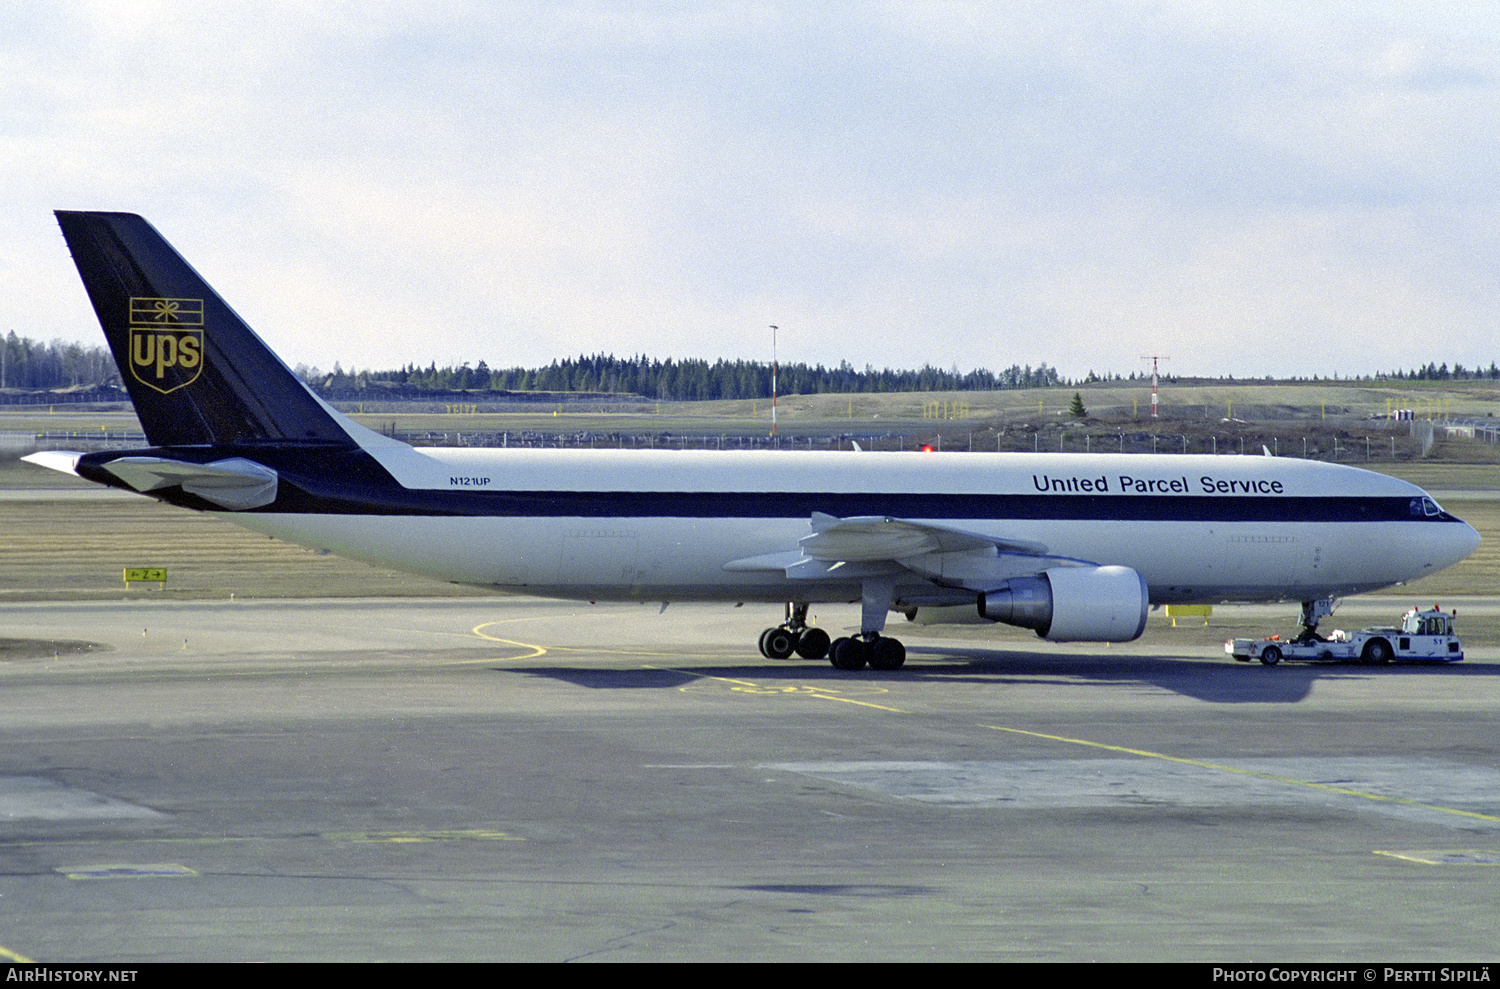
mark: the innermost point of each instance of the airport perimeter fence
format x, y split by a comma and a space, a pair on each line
1348, 443
18, 443
1352, 448
1482, 430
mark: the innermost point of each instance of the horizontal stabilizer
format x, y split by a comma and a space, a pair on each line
65, 461
236, 483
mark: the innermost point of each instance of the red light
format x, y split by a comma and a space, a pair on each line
926, 447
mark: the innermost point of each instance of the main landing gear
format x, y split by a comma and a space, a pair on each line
845, 653
794, 635
881, 652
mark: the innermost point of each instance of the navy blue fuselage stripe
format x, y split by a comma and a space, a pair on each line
344, 481
783, 504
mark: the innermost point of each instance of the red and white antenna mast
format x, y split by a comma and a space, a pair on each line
1155, 378
773, 379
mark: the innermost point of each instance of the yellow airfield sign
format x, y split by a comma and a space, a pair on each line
156, 574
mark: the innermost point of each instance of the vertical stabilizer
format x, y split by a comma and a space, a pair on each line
196, 373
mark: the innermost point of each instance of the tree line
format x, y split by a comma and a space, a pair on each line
678, 380
30, 365
1432, 372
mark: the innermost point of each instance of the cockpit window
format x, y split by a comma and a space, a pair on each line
1425, 506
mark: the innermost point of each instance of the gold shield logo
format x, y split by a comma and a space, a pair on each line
166, 342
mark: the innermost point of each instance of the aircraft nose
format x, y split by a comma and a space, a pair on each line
1460, 541
1468, 542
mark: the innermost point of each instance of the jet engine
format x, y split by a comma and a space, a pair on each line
1073, 604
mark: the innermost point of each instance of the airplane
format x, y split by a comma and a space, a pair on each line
1074, 547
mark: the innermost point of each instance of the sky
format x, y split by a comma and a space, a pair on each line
1246, 188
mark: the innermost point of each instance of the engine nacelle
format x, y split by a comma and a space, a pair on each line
1073, 604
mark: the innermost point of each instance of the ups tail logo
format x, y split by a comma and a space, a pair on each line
166, 342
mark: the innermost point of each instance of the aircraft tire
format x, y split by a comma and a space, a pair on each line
777, 643
847, 654
812, 643
1270, 655
887, 654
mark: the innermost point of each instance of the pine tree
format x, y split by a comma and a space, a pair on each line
1076, 410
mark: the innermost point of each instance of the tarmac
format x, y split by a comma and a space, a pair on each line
510, 779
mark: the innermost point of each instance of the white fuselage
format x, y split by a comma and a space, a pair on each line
1197, 528
1073, 546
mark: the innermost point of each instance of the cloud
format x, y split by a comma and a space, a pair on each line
964, 183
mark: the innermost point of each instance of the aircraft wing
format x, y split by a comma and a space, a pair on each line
862, 546
874, 537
